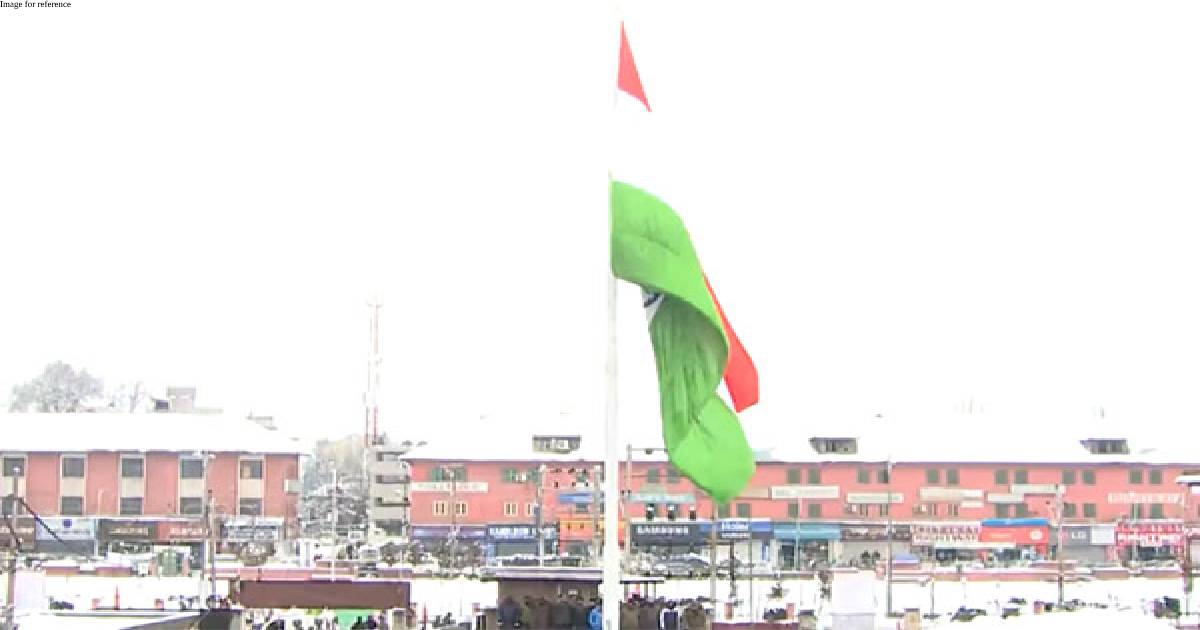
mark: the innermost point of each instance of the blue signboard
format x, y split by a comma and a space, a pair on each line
807, 531
575, 498
1015, 522
739, 529
519, 532
442, 532
667, 533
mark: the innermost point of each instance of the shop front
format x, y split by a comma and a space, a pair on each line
866, 545
1086, 544
508, 539
805, 545
1016, 538
747, 539
179, 546
436, 539
1146, 541
66, 536
127, 536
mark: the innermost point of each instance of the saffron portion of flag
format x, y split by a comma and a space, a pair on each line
695, 348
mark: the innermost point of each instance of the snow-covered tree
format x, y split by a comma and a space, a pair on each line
60, 388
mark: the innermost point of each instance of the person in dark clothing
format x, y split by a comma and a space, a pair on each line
508, 615
669, 618
371, 624
647, 618
358, 624
629, 616
560, 615
579, 614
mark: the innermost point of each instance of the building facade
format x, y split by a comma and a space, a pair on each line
144, 480
832, 504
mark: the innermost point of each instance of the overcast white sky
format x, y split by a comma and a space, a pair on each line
901, 205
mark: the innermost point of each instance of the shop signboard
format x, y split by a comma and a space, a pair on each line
1005, 497
667, 533
1075, 536
875, 532
448, 486
787, 530
932, 493
805, 492
1149, 534
1104, 535
874, 498
739, 529
662, 497
1129, 498
182, 531
520, 532
111, 529
1016, 535
252, 529
67, 528
1033, 488
944, 534
444, 532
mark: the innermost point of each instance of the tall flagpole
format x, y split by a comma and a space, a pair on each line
611, 591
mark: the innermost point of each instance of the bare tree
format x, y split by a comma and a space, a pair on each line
60, 388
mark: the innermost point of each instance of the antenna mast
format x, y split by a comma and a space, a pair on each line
371, 421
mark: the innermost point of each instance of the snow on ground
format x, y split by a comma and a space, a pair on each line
459, 597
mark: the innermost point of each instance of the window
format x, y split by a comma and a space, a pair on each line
952, 509
793, 510
530, 509
451, 473
1107, 447
582, 508
460, 508
390, 479
1135, 476
834, 445
1002, 477
855, 509
509, 475
652, 475
1089, 510
933, 475
814, 510
73, 467
1021, 476
191, 468
793, 476
864, 475
70, 506
14, 466
952, 476
1136, 511
191, 506
1089, 477
1068, 477
1069, 510
723, 511
250, 507
1156, 477
924, 509
1156, 510
131, 506
672, 475
743, 510
439, 508
581, 477
133, 468
1003, 510
250, 469
881, 475
884, 510
1022, 510
510, 509
814, 476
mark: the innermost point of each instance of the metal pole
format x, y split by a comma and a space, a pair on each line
796, 541
212, 543
888, 570
10, 595
627, 501
712, 559
453, 518
1058, 516
541, 544
610, 590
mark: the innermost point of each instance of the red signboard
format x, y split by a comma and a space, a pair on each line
1150, 534
1019, 535
182, 530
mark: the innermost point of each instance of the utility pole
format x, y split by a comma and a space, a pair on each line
712, 559
209, 518
1059, 490
541, 543
10, 595
890, 535
596, 506
453, 517
796, 541
627, 502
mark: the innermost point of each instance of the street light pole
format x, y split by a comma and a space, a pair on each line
890, 536
1058, 517
10, 595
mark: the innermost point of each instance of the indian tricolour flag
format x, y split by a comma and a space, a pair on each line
695, 348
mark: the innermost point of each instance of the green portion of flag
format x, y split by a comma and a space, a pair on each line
651, 248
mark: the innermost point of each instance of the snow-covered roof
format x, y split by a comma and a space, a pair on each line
174, 432
963, 438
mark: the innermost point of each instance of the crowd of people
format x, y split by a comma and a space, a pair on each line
573, 613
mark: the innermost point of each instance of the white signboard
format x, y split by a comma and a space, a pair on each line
949, 494
873, 498
448, 486
1033, 488
1001, 497
805, 492
972, 505
1104, 535
1128, 498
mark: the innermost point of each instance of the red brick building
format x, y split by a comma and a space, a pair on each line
145, 478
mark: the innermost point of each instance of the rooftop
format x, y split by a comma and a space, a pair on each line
140, 432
